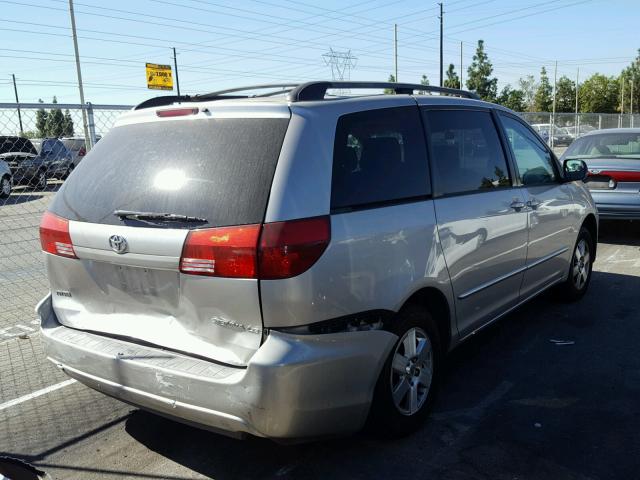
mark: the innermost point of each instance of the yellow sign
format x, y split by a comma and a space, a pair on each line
159, 77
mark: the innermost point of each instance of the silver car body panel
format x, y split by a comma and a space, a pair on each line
287, 390
624, 200
207, 350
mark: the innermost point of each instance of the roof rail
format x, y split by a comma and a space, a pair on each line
298, 92
318, 90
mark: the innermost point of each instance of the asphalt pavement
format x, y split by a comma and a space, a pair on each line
550, 391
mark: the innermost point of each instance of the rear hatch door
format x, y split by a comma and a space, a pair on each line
214, 168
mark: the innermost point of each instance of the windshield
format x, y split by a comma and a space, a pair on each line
214, 169
625, 144
16, 144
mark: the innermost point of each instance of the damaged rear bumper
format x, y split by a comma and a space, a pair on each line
294, 386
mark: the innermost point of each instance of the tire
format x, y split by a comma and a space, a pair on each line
40, 182
5, 187
580, 268
68, 172
404, 414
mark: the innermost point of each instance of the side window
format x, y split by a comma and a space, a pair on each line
533, 160
466, 150
379, 156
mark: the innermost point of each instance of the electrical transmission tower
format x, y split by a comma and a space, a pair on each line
341, 64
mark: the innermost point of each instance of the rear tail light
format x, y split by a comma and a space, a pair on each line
270, 251
290, 248
82, 152
177, 112
54, 236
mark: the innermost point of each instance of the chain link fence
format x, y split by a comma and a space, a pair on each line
40, 144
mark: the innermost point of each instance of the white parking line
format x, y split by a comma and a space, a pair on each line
36, 394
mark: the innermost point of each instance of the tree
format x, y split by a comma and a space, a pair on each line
55, 121
67, 124
452, 80
512, 98
631, 75
599, 94
392, 79
424, 80
543, 99
565, 95
479, 75
41, 121
528, 87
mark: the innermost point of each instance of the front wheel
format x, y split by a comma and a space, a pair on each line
580, 269
41, 180
407, 384
5, 187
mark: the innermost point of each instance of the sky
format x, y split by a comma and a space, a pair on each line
224, 43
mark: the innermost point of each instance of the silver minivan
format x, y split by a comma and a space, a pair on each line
290, 263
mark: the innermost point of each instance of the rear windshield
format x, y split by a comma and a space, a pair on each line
618, 144
217, 169
16, 144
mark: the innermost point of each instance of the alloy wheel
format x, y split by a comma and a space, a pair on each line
411, 371
581, 264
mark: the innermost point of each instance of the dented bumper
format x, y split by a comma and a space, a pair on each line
294, 386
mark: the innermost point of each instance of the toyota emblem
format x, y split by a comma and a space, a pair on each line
118, 243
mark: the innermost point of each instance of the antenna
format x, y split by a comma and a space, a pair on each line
341, 63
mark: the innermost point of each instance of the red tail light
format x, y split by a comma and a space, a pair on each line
82, 152
270, 251
290, 248
221, 252
54, 236
177, 112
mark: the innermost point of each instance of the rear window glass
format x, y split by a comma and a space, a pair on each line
217, 169
16, 144
624, 144
379, 156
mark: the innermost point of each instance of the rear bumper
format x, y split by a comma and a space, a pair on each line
294, 386
615, 205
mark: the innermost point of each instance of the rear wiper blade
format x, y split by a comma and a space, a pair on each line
169, 217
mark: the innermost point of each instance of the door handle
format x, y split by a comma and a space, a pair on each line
533, 204
517, 205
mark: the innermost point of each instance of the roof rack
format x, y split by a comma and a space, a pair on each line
299, 92
318, 90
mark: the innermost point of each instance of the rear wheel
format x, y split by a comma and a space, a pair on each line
5, 187
407, 384
68, 172
40, 181
580, 269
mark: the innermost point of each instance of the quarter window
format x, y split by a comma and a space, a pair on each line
379, 156
466, 151
533, 160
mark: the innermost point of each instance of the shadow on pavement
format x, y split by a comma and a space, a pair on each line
620, 232
16, 198
550, 391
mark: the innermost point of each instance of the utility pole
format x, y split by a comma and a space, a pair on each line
441, 57
461, 87
395, 49
577, 121
15, 90
631, 102
175, 64
553, 115
622, 109
87, 139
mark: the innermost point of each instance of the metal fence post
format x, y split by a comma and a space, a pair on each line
91, 141
599, 122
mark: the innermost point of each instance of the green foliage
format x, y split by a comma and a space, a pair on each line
391, 79
543, 99
512, 98
599, 94
41, 121
631, 75
55, 119
424, 80
528, 86
67, 124
479, 75
565, 95
452, 80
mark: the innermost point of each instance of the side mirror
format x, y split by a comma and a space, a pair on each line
575, 170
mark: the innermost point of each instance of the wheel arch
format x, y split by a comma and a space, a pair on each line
437, 304
591, 224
